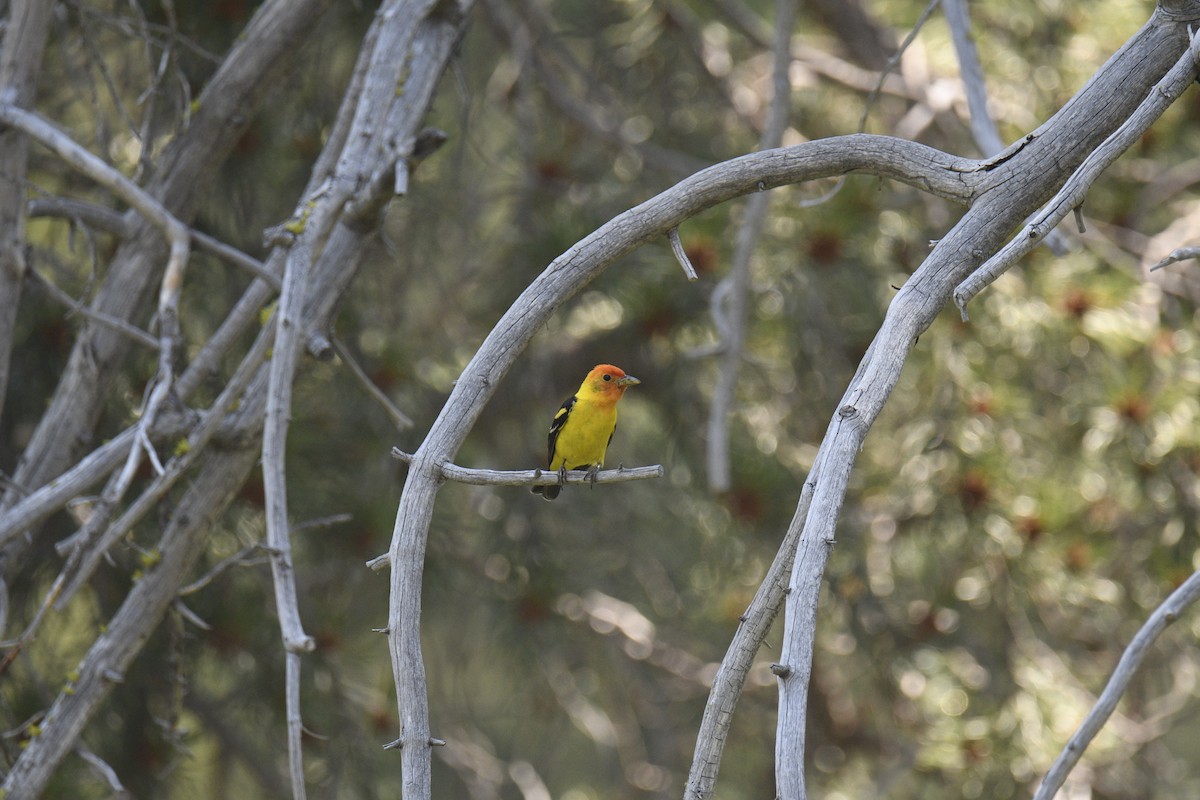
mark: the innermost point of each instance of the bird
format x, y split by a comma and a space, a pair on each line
582, 429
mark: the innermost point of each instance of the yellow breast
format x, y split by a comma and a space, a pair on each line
584, 437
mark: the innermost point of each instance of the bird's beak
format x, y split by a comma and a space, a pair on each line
628, 380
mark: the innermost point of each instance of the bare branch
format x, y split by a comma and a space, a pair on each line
983, 127
45, 133
49, 498
932, 170
177, 235
86, 549
1181, 254
398, 417
1074, 191
681, 255
730, 679
115, 648
176, 468
80, 212
539, 477
99, 317
295, 725
1169, 611
288, 329
190, 161
1082, 124
894, 60
383, 133
118, 224
20, 60
269, 38
240, 558
104, 771
737, 283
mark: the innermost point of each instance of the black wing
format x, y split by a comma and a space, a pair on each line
556, 426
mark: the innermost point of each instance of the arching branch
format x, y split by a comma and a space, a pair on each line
941, 174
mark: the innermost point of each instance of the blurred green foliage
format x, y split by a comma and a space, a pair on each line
1029, 496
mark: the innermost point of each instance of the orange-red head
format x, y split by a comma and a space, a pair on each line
606, 382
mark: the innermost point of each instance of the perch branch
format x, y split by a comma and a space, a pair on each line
538, 477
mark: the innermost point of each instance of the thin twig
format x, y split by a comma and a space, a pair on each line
1169, 611
240, 558
103, 770
235, 257
401, 420
894, 60
116, 223
99, 317
188, 615
681, 255
322, 522
1181, 254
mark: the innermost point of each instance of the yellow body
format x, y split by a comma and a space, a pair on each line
583, 427
585, 435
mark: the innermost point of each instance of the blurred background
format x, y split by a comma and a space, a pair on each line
1028, 497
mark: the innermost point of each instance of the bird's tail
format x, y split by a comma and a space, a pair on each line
547, 492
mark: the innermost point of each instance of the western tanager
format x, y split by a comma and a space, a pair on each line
583, 427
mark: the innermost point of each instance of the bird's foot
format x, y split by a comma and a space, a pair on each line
592, 473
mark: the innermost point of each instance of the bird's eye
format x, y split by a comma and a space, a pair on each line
608, 377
